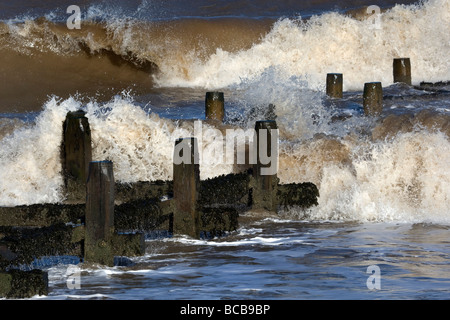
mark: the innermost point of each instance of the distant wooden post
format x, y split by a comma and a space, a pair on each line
214, 106
99, 221
186, 184
264, 191
402, 70
334, 85
373, 98
77, 151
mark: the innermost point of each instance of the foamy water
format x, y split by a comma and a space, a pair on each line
383, 183
328, 43
219, 53
403, 178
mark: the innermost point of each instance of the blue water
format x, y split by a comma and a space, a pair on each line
278, 259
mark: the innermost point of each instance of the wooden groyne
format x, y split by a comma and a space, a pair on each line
373, 97
103, 218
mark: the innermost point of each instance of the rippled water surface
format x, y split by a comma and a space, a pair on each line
279, 259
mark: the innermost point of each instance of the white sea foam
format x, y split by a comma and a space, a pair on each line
30, 159
263, 241
404, 178
331, 42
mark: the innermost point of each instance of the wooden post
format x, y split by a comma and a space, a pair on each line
264, 191
214, 106
402, 70
99, 221
77, 153
186, 184
334, 85
373, 98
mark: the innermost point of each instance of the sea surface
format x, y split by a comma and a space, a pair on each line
381, 229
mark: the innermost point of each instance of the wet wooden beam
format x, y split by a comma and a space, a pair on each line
186, 183
334, 85
373, 98
99, 220
76, 154
214, 106
402, 70
265, 179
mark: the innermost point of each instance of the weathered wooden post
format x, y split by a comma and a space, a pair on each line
99, 220
214, 106
334, 85
186, 185
264, 190
77, 151
402, 70
373, 98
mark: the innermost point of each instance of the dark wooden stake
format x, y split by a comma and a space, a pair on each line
402, 70
77, 153
99, 221
214, 106
186, 185
264, 191
334, 85
373, 98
